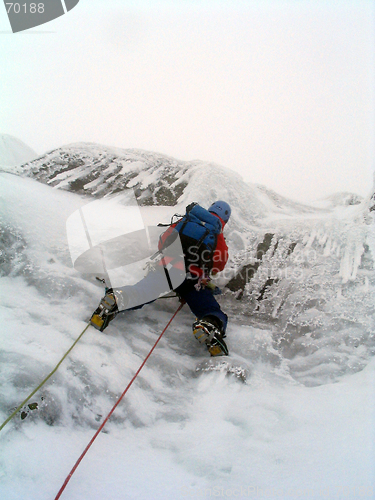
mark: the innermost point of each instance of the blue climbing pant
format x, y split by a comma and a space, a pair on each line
201, 302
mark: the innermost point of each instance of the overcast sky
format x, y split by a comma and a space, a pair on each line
281, 91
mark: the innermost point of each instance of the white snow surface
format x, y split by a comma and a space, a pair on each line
14, 152
300, 426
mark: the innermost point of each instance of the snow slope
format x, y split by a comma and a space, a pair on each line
301, 426
14, 152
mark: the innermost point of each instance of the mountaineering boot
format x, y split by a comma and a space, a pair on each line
105, 312
208, 331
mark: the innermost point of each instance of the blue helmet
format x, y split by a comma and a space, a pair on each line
222, 209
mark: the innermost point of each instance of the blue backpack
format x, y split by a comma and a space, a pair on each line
198, 230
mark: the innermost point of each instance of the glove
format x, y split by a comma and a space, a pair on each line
214, 289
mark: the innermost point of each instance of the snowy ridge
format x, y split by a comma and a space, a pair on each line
14, 152
156, 179
280, 204
339, 200
160, 180
97, 170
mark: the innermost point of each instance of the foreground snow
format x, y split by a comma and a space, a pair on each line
178, 433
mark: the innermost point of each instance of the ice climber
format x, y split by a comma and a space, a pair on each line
205, 253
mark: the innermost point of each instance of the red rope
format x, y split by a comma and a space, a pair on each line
113, 409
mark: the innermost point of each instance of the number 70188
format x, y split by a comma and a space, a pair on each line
32, 8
